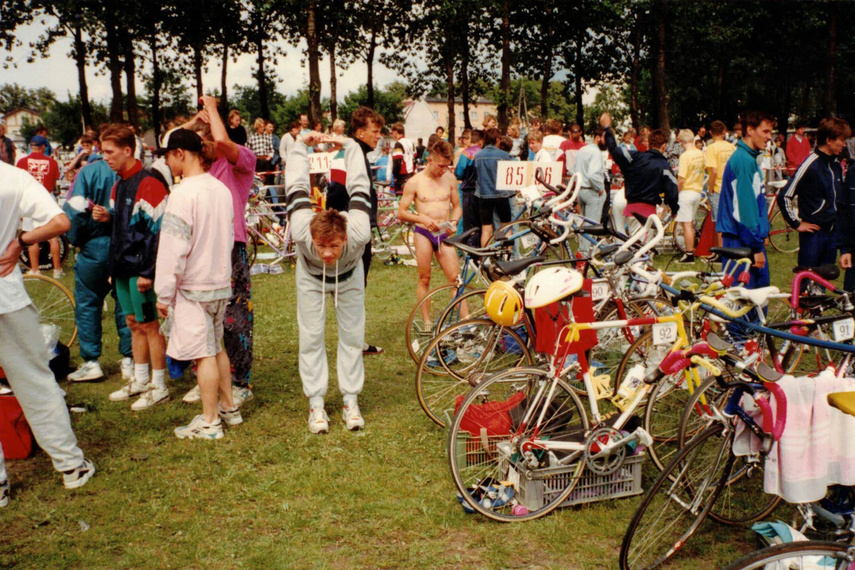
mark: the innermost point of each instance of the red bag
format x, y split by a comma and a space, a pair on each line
15, 434
493, 417
549, 321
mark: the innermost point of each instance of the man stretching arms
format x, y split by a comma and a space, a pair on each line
435, 193
138, 201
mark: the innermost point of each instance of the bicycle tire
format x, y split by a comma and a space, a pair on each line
530, 247
417, 337
701, 217
781, 235
55, 305
474, 308
688, 474
460, 357
742, 500
45, 256
798, 554
475, 458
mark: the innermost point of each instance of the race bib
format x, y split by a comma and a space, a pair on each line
664, 333
320, 162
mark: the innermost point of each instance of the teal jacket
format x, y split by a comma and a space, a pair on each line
92, 185
742, 206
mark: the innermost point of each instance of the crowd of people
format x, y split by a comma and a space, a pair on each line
168, 241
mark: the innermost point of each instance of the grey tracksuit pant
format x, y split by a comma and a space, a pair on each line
25, 361
311, 317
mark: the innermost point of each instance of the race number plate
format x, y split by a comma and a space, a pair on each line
844, 330
515, 175
664, 333
529, 240
599, 289
320, 162
549, 172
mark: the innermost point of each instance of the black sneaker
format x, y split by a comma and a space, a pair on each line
370, 349
78, 477
687, 258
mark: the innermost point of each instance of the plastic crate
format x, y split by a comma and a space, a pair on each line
534, 494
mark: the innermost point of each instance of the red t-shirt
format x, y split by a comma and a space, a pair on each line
569, 148
42, 168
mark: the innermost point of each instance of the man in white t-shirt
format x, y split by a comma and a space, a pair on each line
552, 138
22, 354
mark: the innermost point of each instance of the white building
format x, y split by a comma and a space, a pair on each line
14, 123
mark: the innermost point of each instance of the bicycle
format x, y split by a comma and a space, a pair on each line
783, 237
54, 303
804, 554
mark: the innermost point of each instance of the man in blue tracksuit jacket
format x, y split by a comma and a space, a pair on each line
742, 219
92, 186
808, 201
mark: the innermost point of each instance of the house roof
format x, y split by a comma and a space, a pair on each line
22, 109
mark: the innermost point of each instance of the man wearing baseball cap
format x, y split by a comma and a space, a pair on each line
44, 169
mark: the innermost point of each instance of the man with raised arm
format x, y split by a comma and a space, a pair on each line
434, 191
330, 246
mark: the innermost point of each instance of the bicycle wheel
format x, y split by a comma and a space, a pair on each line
781, 235
678, 501
461, 357
612, 345
529, 242
45, 256
489, 445
420, 330
380, 246
55, 305
806, 554
679, 235
470, 305
742, 500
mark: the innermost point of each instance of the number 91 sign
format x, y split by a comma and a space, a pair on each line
514, 175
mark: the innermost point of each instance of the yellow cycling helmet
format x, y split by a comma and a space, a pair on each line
503, 303
550, 285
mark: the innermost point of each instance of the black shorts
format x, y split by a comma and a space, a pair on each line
501, 206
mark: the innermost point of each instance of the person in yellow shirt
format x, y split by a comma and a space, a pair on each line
690, 183
716, 157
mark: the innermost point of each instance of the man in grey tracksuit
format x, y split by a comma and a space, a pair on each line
329, 265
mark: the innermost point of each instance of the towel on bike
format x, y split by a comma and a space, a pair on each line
814, 450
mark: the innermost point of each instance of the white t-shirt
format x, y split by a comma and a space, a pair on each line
552, 143
20, 196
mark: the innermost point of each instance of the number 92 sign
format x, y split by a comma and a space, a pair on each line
514, 175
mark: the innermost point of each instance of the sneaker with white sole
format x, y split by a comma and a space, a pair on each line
4, 493
352, 417
193, 395
150, 397
78, 477
198, 428
127, 364
89, 371
319, 422
58, 273
231, 417
132, 388
241, 394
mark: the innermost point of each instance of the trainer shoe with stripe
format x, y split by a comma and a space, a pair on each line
150, 397
193, 395
319, 422
76, 478
352, 416
198, 428
231, 417
89, 371
241, 394
132, 388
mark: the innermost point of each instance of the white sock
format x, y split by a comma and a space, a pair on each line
159, 378
316, 403
141, 373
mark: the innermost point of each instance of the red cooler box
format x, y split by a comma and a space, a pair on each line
15, 434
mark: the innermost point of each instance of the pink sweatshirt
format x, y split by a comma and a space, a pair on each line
196, 239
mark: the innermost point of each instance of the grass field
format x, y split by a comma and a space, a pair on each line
271, 495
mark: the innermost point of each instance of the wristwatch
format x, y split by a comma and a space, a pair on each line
21, 240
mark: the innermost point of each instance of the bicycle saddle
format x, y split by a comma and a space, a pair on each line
460, 238
717, 343
830, 271
595, 230
609, 249
733, 252
767, 373
623, 257
843, 401
515, 266
757, 297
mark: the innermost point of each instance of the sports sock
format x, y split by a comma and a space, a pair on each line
158, 377
141, 373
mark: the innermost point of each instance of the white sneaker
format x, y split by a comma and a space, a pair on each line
150, 397
231, 417
87, 372
319, 422
132, 388
58, 273
241, 394
79, 476
198, 428
352, 417
4, 493
127, 364
193, 395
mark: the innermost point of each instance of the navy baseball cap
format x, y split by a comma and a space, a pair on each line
183, 139
38, 140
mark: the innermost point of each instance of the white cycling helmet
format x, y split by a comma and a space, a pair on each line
551, 285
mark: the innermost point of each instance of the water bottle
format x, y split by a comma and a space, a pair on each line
630, 386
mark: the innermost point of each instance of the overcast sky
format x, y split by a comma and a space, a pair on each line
58, 72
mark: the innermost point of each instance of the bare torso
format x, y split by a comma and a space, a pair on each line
433, 195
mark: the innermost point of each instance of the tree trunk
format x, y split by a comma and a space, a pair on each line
464, 86
660, 87
577, 77
369, 60
115, 66
505, 83
634, 75
830, 99
261, 77
719, 89
333, 85
197, 71
130, 80
314, 68
449, 82
155, 96
224, 88
80, 59
547, 70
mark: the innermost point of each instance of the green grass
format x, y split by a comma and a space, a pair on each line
271, 495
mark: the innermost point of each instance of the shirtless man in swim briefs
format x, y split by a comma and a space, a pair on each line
437, 202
